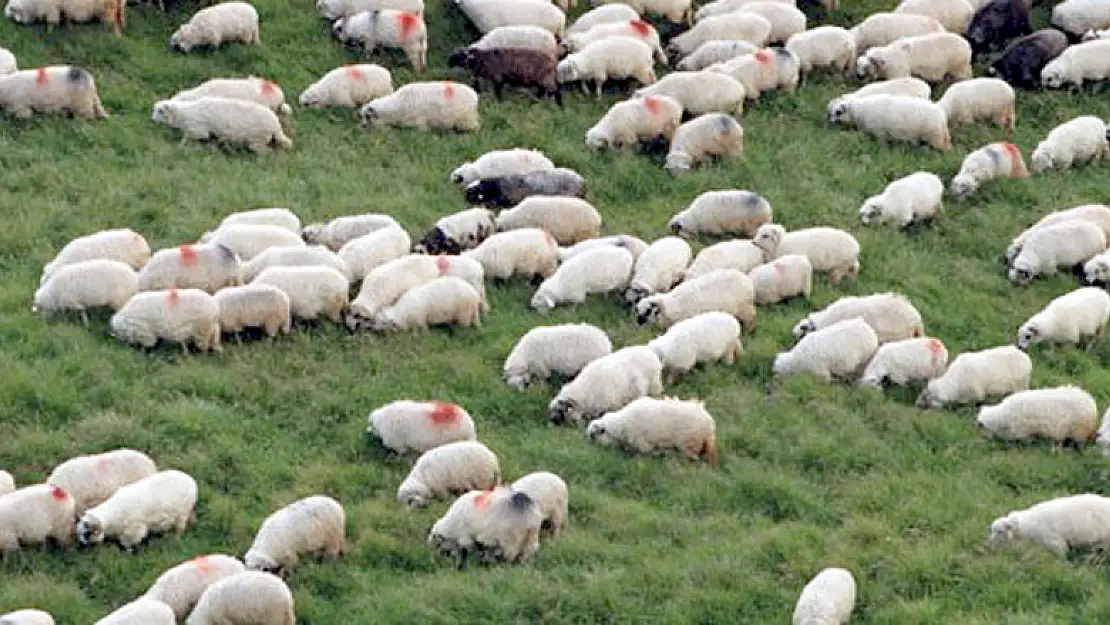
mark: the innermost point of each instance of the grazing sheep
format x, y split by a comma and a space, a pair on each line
739, 254
500, 523
439, 105
93, 479
464, 230
1064, 244
749, 27
567, 219
825, 46
255, 306
84, 285
608, 383
612, 58
892, 315
699, 92
972, 377
313, 290
717, 51
781, 279
907, 86
508, 191
547, 351
659, 268
1022, 62
385, 285
828, 249
764, 70
842, 350
154, 504
604, 14
1097, 270
178, 316
635, 28
786, 20
708, 136
721, 212
142, 611
227, 22
366, 253
828, 599
405, 425
280, 217
725, 290
332, 10
124, 245
633, 244
500, 163
350, 86
905, 361
708, 337
998, 22
520, 37
386, 28
515, 67
1098, 214
442, 301
996, 161
913, 198
931, 57
314, 525
229, 121
208, 267
1088, 61
648, 425
603, 269
674, 11
881, 29
57, 89
898, 118
252, 89
721, 7
1070, 318
245, 598
249, 241
980, 99
33, 515
953, 15
300, 255
109, 12
1077, 17
447, 470
342, 230
1059, 414
182, 586
638, 120
1075, 142
489, 14
27, 617
550, 492
1076, 521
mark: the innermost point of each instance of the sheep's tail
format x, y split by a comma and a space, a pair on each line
709, 451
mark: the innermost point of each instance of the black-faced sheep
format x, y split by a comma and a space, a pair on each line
513, 67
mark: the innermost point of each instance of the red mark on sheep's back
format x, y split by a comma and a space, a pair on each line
269, 87
481, 502
203, 565
58, 493
444, 413
1017, 165
448, 90
354, 72
188, 255
779, 269
653, 105
174, 298
640, 27
935, 346
763, 56
408, 23
40, 77
443, 265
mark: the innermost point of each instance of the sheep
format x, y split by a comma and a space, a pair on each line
762, 71
386, 28
249, 240
520, 37
1088, 61
252, 89
1077, 17
785, 277
34, 515
123, 244
280, 217
839, 350
247, 597
931, 57
1097, 270
313, 525
109, 12
786, 20
449, 469
500, 163
508, 191
612, 58
978, 99
898, 118
634, 121
707, 337
699, 92
58, 89
208, 267
1072, 143
749, 27
7, 483
142, 611
525, 252
499, 523
1076, 521
549, 491
603, 269
825, 46
913, 198
332, 10
674, 11
341, 230
84, 285
739, 254
997, 22
634, 245
385, 284
92, 479
233, 122
313, 290
27, 617
829, 249
179, 316
1023, 61
1098, 214
461, 231
300, 255
648, 425
157, 503
725, 290
902, 362
907, 86
8, 62
405, 425
227, 22
489, 14
1060, 414
721, 212
547, 351
721, 7
635, 28
954, 15
1064, 244
350, 86
972, 377
567, 219
438, 105
1092, 35
717, 51
995, 161
604, 14
364, 254
255, 306
608, 383
659, 268
182, 586
708, 136
1070, 318
442, 301
892, 315
883, 28
828, 599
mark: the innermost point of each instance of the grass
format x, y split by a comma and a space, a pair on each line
813, 475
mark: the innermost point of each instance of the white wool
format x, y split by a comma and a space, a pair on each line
108, 12
749, 27
296, 256
880, 29
840, 350
708, 136
252, 89
739, 254
228, 22
442, 301
1058, 414
913, 198
237, 122
255, 306
954, 15
764, 70
980, 99
932, 57
519, 37
604, 14
489, 14
349, 86
634, 27
142, 611
405, 425
434, 105
892, 316
723, 211
335, 9
1076, 521
905, 361
1092, 35
124, 245
603, 269
974, 376
724, 290
313, 290
499, 523
205, 266
526, 252
177, 316
634, 245
786, 20
608, 383
1070, 318
1099, 214
1077, 17
648, 425
659, 268
907, 86
92, 479
27, 617
707, 337
1063, 244
781, 279
34, 514
181, 586
7, 483
568, 219
385, 284
898, 118
387, 29
87, 284
464, 230
829, 249
612, 58
995, 161
1075, 142
315, 525
720, 7
364, 254
640, 119
56, 89
547, 351
337, 232
281, 217
154, 504
716, 51
549, 491
1097, 269
8, 62
828, 599
674, 11
1082, 62
500, 163
824, 46
447, 470
247, 597
700, 92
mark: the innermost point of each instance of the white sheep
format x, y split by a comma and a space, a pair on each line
519, 37
995, 161
1059, 414
829, 249
295, 256
92, 479
1077, 17
720, 7
27, 617
182, 586
699, 92
716, 51
332, 10
86, 285
255, 306
227, 22
206, 266
459, 231
8, 62
1076, 521
612, 58
707, 337
442, 301
824, 47
1064, 244
314, 525
724, 290
489, 14
438, 105
250, 240
840, 350
749, 27
708, 136
972, 377
280, 217
604, 14
828, 599
892, 315
109, 12
636, 28
604, 269
786, 19
449, 469
608, 383
762, 71
525, 252
405, 425
386, 28
34, 515
907, 86
980, 99
1075, 142
931, 57
500, 163
60, 89
339, 231
646, 425
905, 361
913, 198
155, 504
739, 254
659, 268
1098, 214
124, 245
313, 290
252, 89
674, 11
178, 316
723, 211
7, 482
880, 29
549, 491
1070, 318
547, 351
499, 523
634, 121
635, 245
385, 284
785, 277
142, 611
567, 219
350, 86
247, 597
1094, 35
234, 122
954, 15
1087, 61
898, 118
364, 254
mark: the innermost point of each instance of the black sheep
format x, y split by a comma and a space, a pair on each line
508, 191
508, 66
1022, 62
997, 23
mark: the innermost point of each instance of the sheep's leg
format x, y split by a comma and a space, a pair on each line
463, 553
84, 317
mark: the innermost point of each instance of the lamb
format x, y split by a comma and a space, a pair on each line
635, 28
612, 58
489, 14
157, 503
707, 337
931, 57
248, 597
828, 599
749, 27
500, 163
913, 198
350, 86
954, 15
8, 62
447, 470
142, 611
342, 230
386, 28
549, 491
385, 284
905, 361
785, 277
786, 20
299, 255
1077, 17
27, 617
649, 425
547, 351
840, 350
35, 514
717, 51
828, 249
1070, 318
515, 67
634, 245
91, 480
521, 37
438, 105
313, 525
659, 268
1076, 521
248, 241
881, 29
1082, 62
995, 161
182, 586
464, 230
405, 425
508, 191
1098, 214
974, 376
721, 212
907, 86
1060, 414
699, 92
179, 316
255, 306
825, 46
1022, 63
708, 136
1072, 143
607, 384
500, 523
636, 120
252, 89
57, 89
227, 22
891, 315
7, 483
109, 12
280, 217
980, 99
739, 254
526, 252
603, 14
567, 219
442, 301
898, 118
85, 285
998, 22
364, 254
601, 270
1065, 244
313, 290
233, 122
208, 267
725, 290
123, 244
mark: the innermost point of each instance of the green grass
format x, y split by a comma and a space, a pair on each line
813, 475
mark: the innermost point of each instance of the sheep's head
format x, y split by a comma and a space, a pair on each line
436, 241
871, 210
517, 379
563, 411
768, 238
1028, 334
339, 28
384, 321
310, 98
1042, 159
1022, 272
648, 311
1097, 270
963, 186
675, 226
256, 561
17, 12
460, 58
358, 317
804, 327
840, 112
90, 530
596, 139
870, 66
636, 292
927, 399
1012, 251
486, 191
1052, 77
38, 301
182, 40
165, 112
568, 71
678, 162
597, 433
875, 381
414, 494
783, 364
368, 114
542, 301
1003, 529
461, 175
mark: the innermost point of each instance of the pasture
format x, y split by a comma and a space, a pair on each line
812, 475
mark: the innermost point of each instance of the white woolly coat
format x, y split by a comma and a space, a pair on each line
249, 240
1059, 414
828, 249
550, 492
659, 268
995, 161
386, 283
915, 197
785, 277
905, 361
724, 290
649, 425
123, 244
700, 92
608, 383
175, 316
1076, 521
233, 121
708, 136
716, 51
181, 586
501, 522
92, 479
248, 597
405, 425
350, 86
449, 469
447, 300
636, 120
892, 315
87, 284
434, 105
254, 306
281, 217
828, 599
500, 163
155, 504
841, 350
739, 254
142, 611
227, 22
974, 376
561, 350
880, 29
314, 525
604, 269
252, 89
1077, 64
1058, 245
205, 266
370, 251
980, 99
568, 219
525, 252
337, 232
313, 290
51, 89
708, 337
723, 211
1070, 318
898, 118
31, 515
1074, 142
824, 46
295, 256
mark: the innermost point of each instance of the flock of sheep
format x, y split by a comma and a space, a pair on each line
261, 269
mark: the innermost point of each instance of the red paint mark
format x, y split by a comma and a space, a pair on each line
779, 269
58, 493
269, 87
354, 72
935, 346
174, 298
203, 565
641, 28
408, 23
444, 413
1017, 165
443, 265
448, 90
763, 56
653, 105
189, 255
481, 502
40, 77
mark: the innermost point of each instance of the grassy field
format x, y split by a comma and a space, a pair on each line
812, 475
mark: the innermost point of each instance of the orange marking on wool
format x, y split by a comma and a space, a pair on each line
763, 56
652, 104
444, 413
203, 565
40, 77
269, 87
443, 265
448, 90
58, 493
641, 28
174, 298
1014, 152
354, 72
188, 255
408, 23
481, 502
